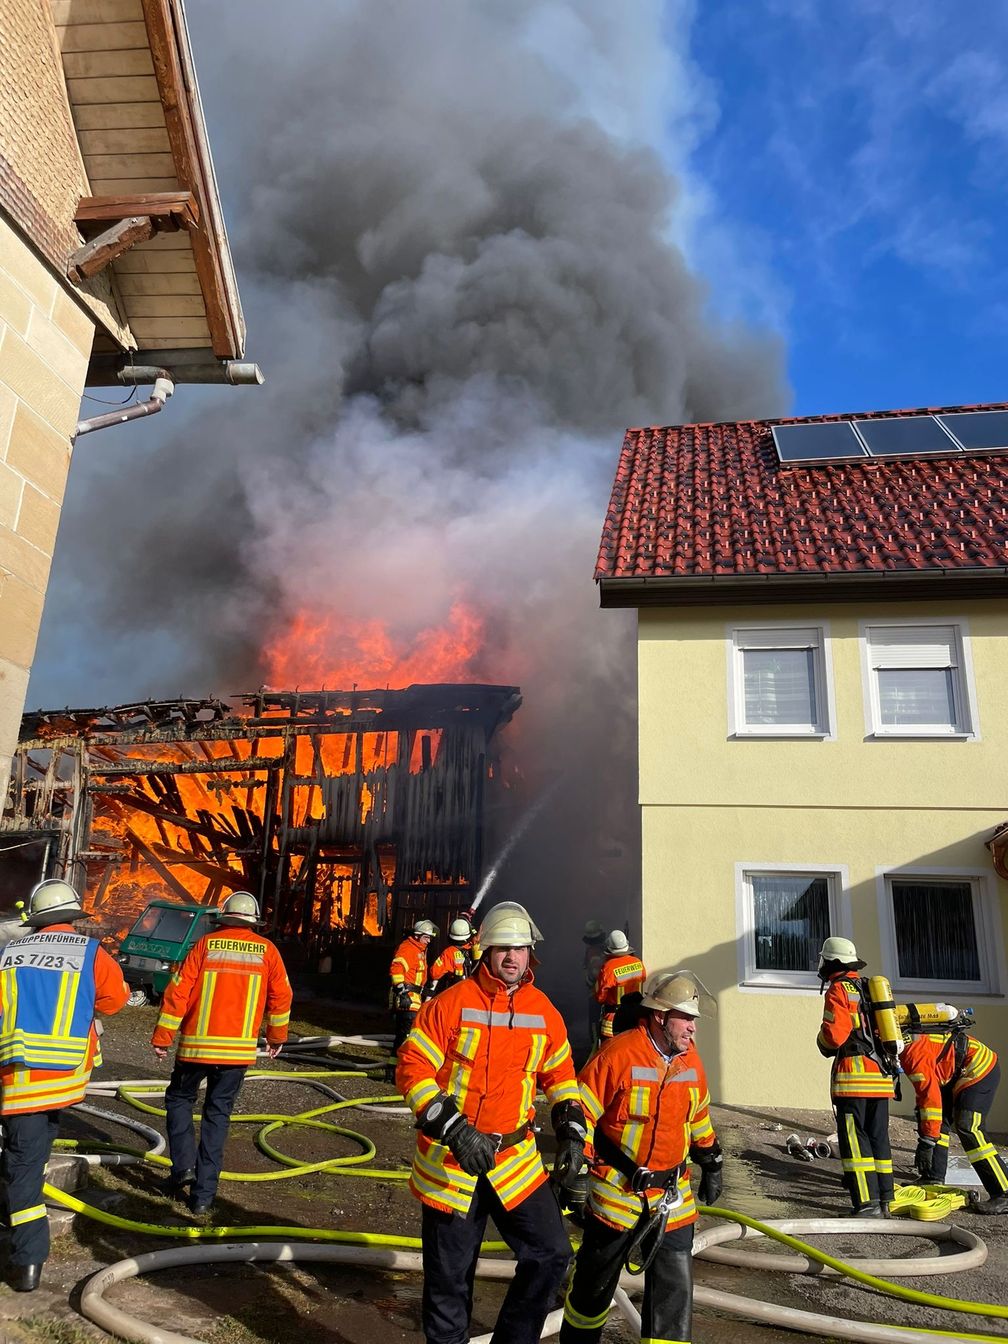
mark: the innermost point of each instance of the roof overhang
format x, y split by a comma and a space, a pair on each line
706, 590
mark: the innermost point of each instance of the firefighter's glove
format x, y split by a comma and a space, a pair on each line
710, 1161
402, 1000
474, 1152
571, 1132
924, 1158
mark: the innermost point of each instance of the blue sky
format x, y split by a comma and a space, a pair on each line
845, 182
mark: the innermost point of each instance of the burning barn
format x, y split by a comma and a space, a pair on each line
347, 813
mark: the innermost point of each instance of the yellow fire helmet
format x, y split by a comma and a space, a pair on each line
508, 924
680, 990
53, 902
241, 906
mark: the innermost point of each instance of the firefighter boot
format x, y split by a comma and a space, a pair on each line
24, 1278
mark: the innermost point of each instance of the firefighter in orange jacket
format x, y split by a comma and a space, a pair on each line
456, 961
469, 1071
52, 982
955, 1077
621, 973
645, 1095
860, 1087
408, 974
216, 1000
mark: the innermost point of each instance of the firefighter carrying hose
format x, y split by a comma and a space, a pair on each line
955, 1077
456, 961
469, 1071
408, 974
645, 1095
860, 1083
217, 998
621, 973
52, 982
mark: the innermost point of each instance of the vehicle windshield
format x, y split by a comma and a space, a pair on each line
169, 926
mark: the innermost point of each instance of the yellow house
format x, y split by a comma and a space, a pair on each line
114, 265
823, 657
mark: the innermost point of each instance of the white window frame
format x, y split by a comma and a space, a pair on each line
840, 922
759, 634
967, 727
986, 920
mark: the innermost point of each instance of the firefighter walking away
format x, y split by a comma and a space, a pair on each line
408, 975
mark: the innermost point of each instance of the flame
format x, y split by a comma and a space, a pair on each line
330, 651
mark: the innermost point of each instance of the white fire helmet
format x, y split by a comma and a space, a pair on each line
617, 942
839, 949
240, 905
680, 990
53, 902
508, 924
460, 931
425, 926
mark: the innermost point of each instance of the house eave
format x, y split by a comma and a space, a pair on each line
691, 590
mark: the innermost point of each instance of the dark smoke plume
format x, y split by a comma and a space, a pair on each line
460, 284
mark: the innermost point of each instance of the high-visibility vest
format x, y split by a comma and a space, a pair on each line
489, 1051
219, 994
47, 1000
655, 1110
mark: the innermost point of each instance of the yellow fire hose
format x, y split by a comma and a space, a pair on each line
384, 1251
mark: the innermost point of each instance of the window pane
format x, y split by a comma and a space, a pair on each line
935, 930
921, 697
790, 920
779, 686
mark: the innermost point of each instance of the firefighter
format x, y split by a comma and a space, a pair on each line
645, 1095
216, 1000
593, 938
860, 1086
52, 982
469, 1071
408, 974
955, 1077
621, 973
455, 962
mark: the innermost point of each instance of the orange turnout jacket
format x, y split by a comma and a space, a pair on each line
409, 968
854, 1074
654, 1109
930, 1064
489, 1051
218, 995
452, 961
26, 1090
620, 975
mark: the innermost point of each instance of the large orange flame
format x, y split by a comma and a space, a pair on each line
329, 651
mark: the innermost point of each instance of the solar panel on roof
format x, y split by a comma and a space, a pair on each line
834, 439
904, 435
977, 430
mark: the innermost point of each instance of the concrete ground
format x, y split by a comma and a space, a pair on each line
320, 1304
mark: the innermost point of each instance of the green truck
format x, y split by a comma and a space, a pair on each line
157, 944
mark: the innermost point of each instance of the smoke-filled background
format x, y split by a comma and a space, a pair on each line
453, 226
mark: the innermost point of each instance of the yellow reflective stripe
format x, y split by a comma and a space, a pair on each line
578, 1322
169, 1021
66, 1003
27, 1215
428, 1048
532, 1063
420, 1094
855, 1164
563, 1092
205, 1002
593, 1107
277, 1019
250, 1023
557, 1058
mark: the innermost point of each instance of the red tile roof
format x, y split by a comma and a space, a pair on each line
703, 501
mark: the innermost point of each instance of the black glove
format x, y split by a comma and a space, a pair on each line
474, 1152
401, 999
571, 1132
924, 1158
710, 1162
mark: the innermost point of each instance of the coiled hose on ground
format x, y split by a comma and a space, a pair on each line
274, 1244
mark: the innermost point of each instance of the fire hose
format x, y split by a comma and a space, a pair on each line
258, 1244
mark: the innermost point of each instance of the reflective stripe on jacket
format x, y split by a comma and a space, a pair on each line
655, 1110
929, 1062
219, 994
490, 1051
48, 1069
853, 1075
453, 960
409, 968
619, 976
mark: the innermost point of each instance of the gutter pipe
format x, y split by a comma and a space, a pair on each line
164, 386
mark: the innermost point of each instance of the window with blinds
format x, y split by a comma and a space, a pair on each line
942, 931
917, 680
779, 682
784, 918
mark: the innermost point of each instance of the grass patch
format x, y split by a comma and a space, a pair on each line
56, 1331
